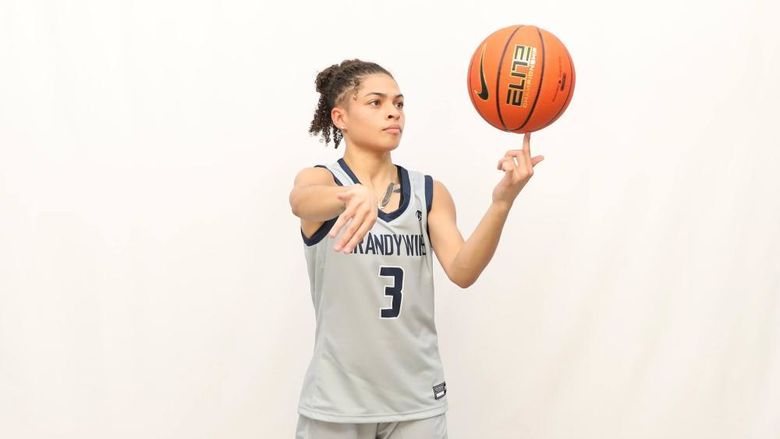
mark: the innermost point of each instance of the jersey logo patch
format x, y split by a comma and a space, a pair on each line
419, 215
440, 390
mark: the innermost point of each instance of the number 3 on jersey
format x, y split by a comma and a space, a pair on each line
395, 290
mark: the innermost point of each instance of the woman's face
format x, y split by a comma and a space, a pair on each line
377, 105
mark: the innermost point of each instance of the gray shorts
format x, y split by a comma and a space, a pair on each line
429, 428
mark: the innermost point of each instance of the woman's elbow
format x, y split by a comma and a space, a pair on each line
463, 282
294, 205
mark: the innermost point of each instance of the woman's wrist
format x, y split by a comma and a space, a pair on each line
502, 205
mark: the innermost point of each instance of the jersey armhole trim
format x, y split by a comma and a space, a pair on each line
320, 233
335, 179
428, 202
428, 193
327, 225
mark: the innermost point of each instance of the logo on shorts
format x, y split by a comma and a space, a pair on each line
440, 390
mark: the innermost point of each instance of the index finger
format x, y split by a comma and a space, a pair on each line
342, 219
527, 142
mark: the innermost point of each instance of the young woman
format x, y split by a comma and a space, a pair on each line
369, 227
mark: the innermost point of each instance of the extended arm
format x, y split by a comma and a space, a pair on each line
463, 261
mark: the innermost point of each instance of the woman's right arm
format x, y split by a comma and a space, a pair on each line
316, 198
313, 196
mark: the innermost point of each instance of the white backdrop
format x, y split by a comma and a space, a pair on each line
152, 277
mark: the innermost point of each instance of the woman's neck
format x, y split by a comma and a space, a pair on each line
372, 169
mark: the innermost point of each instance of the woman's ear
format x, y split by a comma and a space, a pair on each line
338, 116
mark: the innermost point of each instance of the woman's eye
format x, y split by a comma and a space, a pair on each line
400, 104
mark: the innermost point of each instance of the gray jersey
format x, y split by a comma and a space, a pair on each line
376, 355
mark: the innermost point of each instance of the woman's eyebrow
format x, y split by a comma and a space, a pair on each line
382, 94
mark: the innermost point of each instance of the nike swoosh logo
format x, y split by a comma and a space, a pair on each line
484, 93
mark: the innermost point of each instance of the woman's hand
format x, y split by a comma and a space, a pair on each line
361, 208
516, 175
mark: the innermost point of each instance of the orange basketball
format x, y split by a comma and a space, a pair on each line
521, 78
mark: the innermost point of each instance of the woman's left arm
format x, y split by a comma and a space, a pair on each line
463, 261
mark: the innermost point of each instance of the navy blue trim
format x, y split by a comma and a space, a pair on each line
325, 227
403, 177
428, 203
428, 192
320, 233
349, 172
331, 173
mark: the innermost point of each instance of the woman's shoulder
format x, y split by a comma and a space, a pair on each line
317, 174
414, 170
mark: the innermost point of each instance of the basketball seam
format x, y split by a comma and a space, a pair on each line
539, 89
498, 77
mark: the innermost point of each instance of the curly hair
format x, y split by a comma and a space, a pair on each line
333, 84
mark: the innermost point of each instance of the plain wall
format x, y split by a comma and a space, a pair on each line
152, 277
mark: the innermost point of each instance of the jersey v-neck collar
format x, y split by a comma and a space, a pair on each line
403, 177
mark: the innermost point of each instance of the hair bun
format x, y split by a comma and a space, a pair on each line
325, 78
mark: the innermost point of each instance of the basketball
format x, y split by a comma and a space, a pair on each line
521, 78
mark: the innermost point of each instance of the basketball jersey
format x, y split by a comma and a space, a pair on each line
376, 355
